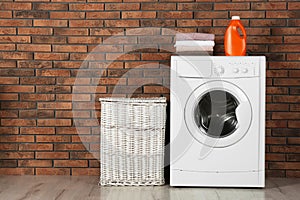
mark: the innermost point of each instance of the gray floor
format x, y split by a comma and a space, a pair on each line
85, 188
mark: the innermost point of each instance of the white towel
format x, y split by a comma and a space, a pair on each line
197, 53
194, 36
194, 48
194, 43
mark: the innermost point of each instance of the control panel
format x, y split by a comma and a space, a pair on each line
217, 66
234, 69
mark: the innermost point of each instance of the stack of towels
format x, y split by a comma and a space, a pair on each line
195, 43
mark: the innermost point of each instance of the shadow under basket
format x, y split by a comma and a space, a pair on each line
132, 141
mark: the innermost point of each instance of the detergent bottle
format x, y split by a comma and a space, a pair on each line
234, 43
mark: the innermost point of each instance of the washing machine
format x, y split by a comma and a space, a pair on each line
217, 121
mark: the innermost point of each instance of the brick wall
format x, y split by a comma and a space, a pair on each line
44, 42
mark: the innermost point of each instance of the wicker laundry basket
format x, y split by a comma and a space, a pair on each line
132, 141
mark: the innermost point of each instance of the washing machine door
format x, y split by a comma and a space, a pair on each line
218, 114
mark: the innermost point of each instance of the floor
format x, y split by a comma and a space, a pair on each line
86, 188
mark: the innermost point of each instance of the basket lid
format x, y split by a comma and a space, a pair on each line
135, 100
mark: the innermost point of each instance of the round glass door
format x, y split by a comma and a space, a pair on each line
218, 114
215, 114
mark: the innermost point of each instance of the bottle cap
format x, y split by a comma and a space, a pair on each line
235, 17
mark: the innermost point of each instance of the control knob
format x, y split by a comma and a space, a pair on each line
245, 70
220, 70
235, 70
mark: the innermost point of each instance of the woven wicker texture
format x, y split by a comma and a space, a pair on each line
132, 141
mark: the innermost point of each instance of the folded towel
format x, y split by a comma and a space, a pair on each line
194, 43
194, 48
194, 36
193, 53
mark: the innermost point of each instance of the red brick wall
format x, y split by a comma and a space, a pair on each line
43, 43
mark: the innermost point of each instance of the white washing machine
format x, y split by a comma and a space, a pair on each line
217, 121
